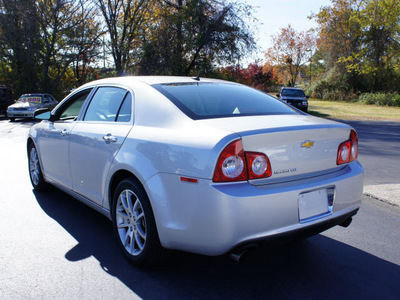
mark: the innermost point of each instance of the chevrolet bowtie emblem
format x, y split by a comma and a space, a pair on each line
307, 144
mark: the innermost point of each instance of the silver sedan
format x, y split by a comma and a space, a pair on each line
27, 104
198, 165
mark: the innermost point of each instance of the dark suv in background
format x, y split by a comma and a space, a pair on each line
295, 97
5, 99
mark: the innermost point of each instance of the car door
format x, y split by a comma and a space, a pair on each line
95, 141
54, 136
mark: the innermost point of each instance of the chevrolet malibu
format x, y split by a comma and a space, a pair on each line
198, 165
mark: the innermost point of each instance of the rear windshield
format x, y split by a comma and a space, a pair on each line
293, 93
204, 100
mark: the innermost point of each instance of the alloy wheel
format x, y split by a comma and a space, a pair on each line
131, 222
34, 167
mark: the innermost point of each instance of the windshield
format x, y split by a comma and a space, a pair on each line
30, 99
293, 93
217, 100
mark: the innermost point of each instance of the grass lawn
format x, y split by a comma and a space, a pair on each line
352, 111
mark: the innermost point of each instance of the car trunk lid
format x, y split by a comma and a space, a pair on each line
297, 146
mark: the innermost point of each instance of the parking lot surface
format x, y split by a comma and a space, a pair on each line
54, 247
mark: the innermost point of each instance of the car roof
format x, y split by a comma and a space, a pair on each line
291, 88
150, 80
35, 94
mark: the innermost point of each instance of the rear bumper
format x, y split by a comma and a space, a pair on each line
213, 219
301, 232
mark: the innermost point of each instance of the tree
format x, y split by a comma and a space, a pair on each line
86, 41
123, 20
19, 43
41, 39
290, 51
338, 31
190, 36
379, 22
360, 41
68, 30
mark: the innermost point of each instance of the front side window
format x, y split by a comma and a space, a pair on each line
106, 104
71, 109
217, 100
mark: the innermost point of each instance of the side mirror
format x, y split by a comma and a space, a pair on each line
307, 97
42, 114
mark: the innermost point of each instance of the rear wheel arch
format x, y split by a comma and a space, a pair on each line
119, 176
116, 179
152, 251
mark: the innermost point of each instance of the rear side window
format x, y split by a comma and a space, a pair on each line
203, 100
106, 105
124, 114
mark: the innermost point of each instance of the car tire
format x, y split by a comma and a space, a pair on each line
35, 171
12, 119
134, 225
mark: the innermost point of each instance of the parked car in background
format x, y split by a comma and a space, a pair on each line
5, 99
27, 104
294, 96
199, 165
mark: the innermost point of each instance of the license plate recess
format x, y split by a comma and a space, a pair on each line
315, 204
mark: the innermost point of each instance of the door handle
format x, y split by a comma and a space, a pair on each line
64, 132
110, 138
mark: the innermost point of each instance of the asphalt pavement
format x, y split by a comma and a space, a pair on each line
54, 247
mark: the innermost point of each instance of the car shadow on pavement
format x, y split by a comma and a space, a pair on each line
318, 267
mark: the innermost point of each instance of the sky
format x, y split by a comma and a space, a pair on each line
276, 14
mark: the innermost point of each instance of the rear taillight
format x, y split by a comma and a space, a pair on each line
231, 164
258, 165
348, 150
354, 145
236, 165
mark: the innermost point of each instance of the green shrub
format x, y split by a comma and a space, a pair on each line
339, 95
332, 86
383, 99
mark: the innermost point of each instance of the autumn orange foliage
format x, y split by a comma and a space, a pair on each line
255, 75
290, 50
